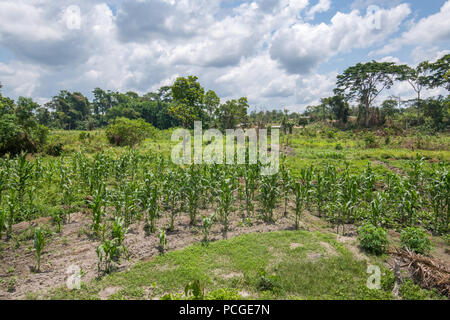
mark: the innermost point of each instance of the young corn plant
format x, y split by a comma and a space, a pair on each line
162, 241
3, 216
207, 223
149, 198
299, 192
439, 194
192, 181
173, 194
250, 180
225, 202
12, 212
97, 207
269, 196
285, 183
38, 244
110, 250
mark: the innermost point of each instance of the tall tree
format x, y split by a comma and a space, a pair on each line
417, 77
188, 100
364, 82
338, 107
439, 73
233, 113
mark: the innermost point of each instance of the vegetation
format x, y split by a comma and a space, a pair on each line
359, 167
373, 239
415, 239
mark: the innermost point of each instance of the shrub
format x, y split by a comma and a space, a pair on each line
54, 149
339, 147
415, 239
370, 140
126, 132
373, 239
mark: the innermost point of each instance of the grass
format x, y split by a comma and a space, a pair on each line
305, 271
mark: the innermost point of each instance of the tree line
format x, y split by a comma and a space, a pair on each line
24, 123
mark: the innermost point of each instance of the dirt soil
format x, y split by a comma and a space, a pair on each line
74, 248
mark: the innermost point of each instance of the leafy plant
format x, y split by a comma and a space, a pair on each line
373, 239
415, 239
195, 290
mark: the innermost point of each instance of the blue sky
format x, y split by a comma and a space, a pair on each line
278, 53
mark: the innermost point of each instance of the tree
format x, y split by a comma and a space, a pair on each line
439, 111
72, 110
188, 98
417, 77
364, 82
232, 113
19, 128
212, 102
389, 107
338, 107
439, 73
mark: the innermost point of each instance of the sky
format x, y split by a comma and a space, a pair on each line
281, 54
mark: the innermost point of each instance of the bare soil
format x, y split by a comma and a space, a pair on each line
74, 248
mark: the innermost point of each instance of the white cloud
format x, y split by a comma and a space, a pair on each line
261, 49
301, 47
321, 6
429, 30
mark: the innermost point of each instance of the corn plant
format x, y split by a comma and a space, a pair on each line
299, 192
439, 194
38, 244
97, 206
172, 190
269, 192
149, 199
162, 241
207, 223
3, 217
225, 201
118, 232
306, 175
12, 212
191, 185
110, 250
285, 183
250, 180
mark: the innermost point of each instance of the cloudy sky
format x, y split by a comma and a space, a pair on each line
280, 54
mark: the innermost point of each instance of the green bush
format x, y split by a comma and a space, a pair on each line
54, 149
373, 239
126, 132
370, 140
19, 129
415, 239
